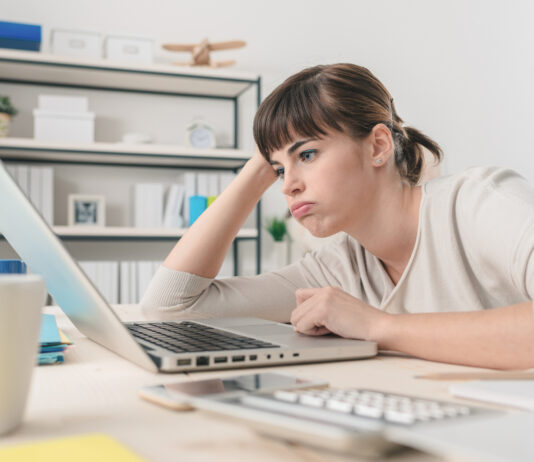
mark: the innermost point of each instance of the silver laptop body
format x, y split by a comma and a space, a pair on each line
35, 242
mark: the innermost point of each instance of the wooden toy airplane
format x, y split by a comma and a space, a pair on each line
201, 52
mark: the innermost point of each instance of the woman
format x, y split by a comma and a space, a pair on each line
443, 271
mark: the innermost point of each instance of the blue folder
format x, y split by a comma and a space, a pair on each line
20, 36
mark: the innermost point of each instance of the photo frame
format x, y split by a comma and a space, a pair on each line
86, 210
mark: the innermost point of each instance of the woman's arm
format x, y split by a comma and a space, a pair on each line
204, 246
499, 338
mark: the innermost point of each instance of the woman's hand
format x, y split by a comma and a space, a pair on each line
332, 310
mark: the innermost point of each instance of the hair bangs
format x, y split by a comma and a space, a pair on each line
292, 111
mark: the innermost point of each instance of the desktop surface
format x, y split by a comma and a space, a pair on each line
96, 391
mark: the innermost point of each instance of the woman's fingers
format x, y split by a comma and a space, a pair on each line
309, 323
306, 318
304, 294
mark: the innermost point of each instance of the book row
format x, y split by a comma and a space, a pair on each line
125, 282
181, 204
38, 184
120, 282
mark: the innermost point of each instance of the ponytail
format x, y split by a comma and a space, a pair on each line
409, 144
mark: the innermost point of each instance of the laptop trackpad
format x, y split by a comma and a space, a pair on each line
260, 330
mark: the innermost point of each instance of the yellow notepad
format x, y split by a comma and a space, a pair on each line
85, 448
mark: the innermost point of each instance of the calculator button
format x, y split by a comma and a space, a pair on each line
339, 406
284, 395
368, 411
310, 400
399, 417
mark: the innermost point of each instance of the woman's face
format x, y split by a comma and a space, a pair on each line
328, 182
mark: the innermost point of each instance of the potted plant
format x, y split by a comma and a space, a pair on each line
7, 110
278, 230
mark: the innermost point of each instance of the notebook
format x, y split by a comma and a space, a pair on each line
85, 448
514, 393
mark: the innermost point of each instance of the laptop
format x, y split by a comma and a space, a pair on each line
157, 346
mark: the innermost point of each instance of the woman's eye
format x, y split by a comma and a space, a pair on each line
279, 172
308, 155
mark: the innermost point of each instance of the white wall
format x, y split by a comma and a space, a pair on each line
459, 70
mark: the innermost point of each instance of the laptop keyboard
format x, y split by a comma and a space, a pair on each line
186, 337
357, 407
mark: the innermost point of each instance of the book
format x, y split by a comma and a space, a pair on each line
134, 289
148, 205
23, 178
190, 184
173, 210
124, 296
213, 185
114, 282
203, 184
52, 342
35, 187
47, 194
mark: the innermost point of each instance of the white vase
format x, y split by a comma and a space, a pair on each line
279, 256
5, 119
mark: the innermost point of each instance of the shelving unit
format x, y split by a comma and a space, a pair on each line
30, 68
128, 233
120, 154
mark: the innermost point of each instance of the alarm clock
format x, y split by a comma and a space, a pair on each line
200, 135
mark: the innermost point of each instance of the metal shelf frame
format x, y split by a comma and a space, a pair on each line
31, 68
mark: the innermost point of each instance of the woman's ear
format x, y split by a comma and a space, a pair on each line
382, 143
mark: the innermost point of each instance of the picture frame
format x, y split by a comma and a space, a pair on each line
86, 210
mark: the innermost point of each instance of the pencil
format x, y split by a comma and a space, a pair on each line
497, 375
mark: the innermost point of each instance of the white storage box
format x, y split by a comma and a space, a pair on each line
129, 49
60, 103
76, 43
64, 126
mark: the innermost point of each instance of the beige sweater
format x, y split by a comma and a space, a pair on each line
474, 250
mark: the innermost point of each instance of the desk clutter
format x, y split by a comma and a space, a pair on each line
52, 341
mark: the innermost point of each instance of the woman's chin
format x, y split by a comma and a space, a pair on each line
319, 232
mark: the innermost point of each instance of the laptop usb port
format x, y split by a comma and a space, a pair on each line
220, 359
183, 362
203, 360
253, 357
237, 359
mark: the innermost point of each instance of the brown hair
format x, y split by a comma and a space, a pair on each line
343, 97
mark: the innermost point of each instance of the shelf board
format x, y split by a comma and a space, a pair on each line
28, 149
47, 69
129, 233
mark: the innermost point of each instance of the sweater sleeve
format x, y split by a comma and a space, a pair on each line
499, 223
175, 294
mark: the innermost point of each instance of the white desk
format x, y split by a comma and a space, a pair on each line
96, 391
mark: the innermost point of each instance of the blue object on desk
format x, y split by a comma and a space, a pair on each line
49, 334
20, 36
197, 205
12, 266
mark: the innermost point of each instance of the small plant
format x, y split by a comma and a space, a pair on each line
277, 229
6, 107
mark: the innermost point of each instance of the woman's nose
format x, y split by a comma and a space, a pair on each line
291, 183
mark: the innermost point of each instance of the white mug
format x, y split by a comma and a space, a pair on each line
21, 298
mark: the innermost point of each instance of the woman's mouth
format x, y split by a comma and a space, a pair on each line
301, 208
